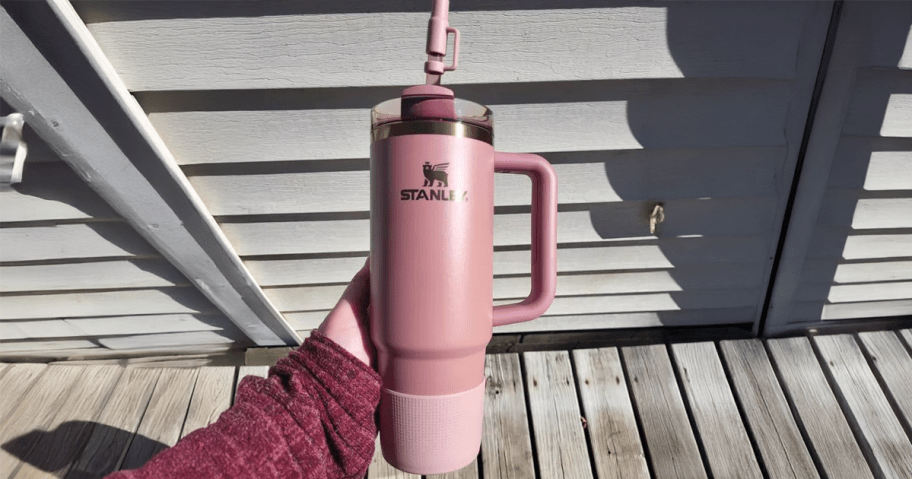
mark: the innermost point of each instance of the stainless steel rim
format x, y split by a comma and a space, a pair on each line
450, 128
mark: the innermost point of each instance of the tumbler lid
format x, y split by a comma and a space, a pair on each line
431, 103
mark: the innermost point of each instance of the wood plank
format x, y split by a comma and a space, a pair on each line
211, 397
162, 421
106, 303
309, 320
747, 216
244, 371
15, 383
670, 440
116, 325
610, 420
92, 275
721, 431
51, 191
308, 48
893, 366
72, 241
907, 335
288, 300
380, 469
69, 430
829, 115
116, 425
605, 176
468, 472
130, 166
35, 411
506, 448
560, 442
818, 412
881, 435
809, 311
663, 253
725, 113
769, 420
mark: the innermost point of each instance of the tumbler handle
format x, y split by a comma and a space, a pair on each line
544, 236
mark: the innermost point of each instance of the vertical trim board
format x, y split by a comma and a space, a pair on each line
99, 129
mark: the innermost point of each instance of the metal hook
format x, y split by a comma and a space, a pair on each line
12, 149
657, 216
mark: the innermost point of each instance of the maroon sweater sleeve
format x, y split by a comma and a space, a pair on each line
312, 417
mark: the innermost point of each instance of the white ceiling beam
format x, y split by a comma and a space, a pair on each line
55, 74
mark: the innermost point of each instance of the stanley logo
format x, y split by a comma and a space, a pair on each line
434, 175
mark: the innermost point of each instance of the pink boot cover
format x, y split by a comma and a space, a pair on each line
433, 434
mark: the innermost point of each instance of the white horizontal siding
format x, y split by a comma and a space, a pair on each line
656, 254
613, 221
827, 270
104, 303
300, 50
815, 311
109, 326
866, 212
72, 241
606, 176
149, 273
720, 113
306, 321
51, 191
698, 106
718, 277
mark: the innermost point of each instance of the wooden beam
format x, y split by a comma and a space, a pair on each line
55, 73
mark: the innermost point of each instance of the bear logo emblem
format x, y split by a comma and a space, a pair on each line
435, 173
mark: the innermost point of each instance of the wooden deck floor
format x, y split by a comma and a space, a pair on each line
836, 406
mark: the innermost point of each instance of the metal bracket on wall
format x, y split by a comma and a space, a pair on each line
12, 149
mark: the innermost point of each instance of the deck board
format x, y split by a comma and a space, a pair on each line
211, 397
560, 441
885, 442
611, 424
35, 411
782, 449
55, 452
15, 383
380, 469
818, 411
161, 425
506, 447
894, 366
117, 424
727, 447
672, 446
831, 406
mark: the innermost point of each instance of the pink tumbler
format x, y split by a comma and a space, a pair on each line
432, 312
